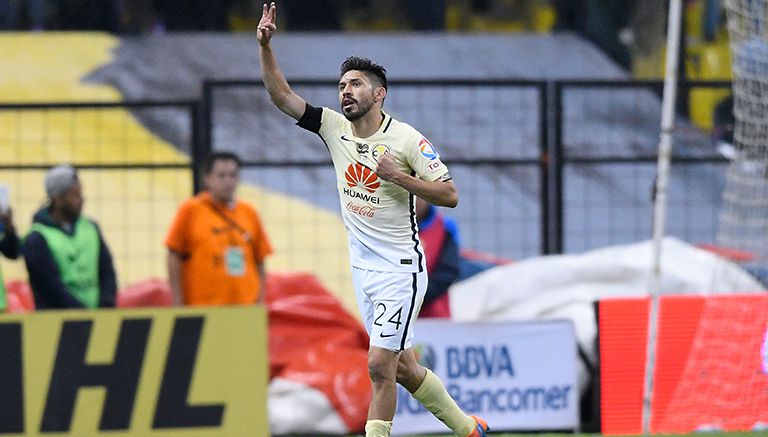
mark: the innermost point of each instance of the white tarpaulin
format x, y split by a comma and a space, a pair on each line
566, 286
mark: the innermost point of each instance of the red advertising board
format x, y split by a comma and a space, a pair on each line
711, 370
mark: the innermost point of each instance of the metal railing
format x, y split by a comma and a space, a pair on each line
542, 167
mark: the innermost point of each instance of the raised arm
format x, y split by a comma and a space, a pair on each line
280, 92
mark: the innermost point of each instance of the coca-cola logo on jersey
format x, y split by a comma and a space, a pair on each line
360, 176
362, 211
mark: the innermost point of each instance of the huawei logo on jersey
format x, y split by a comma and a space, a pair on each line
360, 176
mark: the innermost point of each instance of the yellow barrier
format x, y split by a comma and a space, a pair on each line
170, 372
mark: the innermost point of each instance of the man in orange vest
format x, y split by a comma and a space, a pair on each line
217, 244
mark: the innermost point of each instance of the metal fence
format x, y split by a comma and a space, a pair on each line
561, 167
133, 179
541, 167
604, 164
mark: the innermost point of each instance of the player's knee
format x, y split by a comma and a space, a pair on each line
380, 370
378, 374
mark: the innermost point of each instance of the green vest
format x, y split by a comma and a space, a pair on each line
77, 257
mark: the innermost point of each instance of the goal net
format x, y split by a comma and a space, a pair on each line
744, 217
712, 372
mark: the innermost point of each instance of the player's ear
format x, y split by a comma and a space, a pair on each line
380, 93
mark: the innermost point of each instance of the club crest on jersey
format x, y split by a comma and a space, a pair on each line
360, 176
379, 150
427, 150
360, 147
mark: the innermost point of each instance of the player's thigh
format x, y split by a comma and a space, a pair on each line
396, 298
364, 303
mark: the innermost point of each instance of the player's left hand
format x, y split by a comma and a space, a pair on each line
387, 168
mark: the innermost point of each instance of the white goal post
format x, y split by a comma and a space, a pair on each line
744, 214
660, 202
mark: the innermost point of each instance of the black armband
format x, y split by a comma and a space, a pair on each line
311, 119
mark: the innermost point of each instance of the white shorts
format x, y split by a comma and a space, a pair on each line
389, 303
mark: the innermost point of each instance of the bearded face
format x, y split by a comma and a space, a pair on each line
357, 94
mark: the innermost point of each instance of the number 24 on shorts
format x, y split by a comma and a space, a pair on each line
393, 319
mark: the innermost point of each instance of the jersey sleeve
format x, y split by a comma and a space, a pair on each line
311, 120
425, 161
325, 122
332, 123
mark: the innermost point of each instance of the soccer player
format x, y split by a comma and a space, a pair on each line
381, 165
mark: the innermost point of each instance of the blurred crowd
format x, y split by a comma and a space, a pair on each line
624, 29
151, 16
116, 16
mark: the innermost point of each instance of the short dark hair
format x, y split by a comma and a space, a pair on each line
211, 159
367, 66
